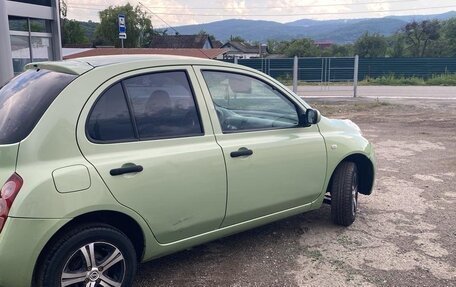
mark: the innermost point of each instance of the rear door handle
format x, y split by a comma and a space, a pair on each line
127, 169
243, 151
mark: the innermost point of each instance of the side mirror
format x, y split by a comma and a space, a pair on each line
310, 117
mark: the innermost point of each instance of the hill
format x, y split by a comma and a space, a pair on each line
338, 31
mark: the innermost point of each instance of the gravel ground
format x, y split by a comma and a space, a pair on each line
405, 233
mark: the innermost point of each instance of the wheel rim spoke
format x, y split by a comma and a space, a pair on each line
68, 275
91, 284
73, 278
88, 252
115, 257
92, 254
108, 282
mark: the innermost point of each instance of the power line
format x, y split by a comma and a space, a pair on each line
268, 7
284, 15
159, 17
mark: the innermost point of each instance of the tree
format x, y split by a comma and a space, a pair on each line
277, 47
139, 27
237, 39
419, 35
302, 48
396, 46
335, 50
72, 33
63, 9
449, 34
371, 45
204, 33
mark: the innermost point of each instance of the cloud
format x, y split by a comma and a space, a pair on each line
184, 12
235, 6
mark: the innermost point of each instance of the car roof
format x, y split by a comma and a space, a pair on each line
81, 65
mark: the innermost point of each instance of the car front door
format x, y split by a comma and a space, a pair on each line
148, 135
273, 163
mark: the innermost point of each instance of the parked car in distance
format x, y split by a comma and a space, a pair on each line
112, 161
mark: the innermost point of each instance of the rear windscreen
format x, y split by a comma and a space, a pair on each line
24, 100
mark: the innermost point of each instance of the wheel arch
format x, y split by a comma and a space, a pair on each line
119, 220
365, 169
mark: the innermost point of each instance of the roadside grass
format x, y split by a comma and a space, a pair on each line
446, 79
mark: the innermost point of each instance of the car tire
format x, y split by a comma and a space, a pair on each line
344, 194
70, 259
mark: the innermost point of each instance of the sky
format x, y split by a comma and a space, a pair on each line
185, 12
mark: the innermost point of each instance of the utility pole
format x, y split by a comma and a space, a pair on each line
295, 75
355, 77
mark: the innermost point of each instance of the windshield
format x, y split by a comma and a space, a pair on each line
24, 100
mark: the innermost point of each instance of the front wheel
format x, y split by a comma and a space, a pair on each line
90, 256
344, 194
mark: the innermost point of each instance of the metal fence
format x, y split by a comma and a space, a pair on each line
312, 75
406, 67
317, 76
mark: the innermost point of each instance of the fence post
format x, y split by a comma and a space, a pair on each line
355, 77
295, 75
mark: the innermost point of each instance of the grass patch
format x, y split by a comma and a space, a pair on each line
446, 79
442, 80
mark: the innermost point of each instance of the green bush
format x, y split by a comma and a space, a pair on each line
446, 79
393, 80
442, 80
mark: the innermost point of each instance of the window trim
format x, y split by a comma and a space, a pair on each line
132, 117
297, 107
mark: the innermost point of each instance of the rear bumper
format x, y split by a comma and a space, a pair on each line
21, 242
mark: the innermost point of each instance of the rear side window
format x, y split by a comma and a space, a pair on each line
110, 117
163, 105
24, 100
149, 106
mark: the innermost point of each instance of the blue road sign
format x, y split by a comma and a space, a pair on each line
122, 27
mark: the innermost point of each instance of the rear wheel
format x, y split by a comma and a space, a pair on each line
344, 194
89, 255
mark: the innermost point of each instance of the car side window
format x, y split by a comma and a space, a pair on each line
109, 120
244, 103
163, 105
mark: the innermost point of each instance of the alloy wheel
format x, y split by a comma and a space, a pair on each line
94, 264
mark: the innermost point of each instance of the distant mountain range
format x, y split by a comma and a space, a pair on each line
337, 31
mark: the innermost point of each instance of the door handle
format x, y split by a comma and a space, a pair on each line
243, 151
126, 169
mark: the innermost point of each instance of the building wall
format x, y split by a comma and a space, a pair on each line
31, 33
207, 45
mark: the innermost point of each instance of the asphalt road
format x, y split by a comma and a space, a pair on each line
381, 92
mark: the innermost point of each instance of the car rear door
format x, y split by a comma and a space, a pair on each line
148, 134
273, 164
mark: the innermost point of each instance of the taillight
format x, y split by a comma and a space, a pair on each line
7, 195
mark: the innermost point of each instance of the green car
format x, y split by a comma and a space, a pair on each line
112, 161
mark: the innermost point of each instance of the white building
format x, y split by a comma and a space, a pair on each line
29, 31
